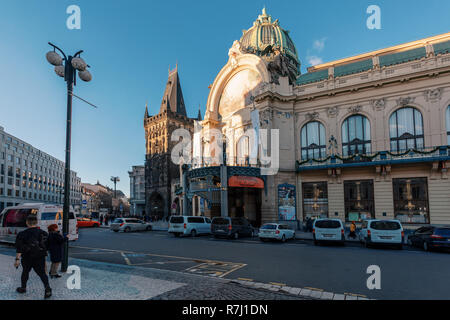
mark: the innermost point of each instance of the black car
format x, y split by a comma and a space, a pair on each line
430, 237
231, 228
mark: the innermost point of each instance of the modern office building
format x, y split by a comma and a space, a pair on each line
28, 174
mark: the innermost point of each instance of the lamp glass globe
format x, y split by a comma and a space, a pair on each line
54, 58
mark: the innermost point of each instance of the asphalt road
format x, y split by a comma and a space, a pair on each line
406, 274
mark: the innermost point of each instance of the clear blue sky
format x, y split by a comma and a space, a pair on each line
130, 45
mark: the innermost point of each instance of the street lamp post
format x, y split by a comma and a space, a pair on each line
115, 180
67, 67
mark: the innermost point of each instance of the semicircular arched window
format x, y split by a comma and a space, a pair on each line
406, 129
356, 135
243, 150
313, 145
448, 124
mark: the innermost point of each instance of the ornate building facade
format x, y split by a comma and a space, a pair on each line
160, 171
362, 137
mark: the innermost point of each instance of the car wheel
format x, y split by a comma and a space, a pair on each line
96, 225
263, 240
316, 243
400, 247
193, 233
283, 238
425, 246
176, 235
127, 229
116, 230
236, 236
149, 228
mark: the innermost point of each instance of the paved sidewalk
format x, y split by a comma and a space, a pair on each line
104, 281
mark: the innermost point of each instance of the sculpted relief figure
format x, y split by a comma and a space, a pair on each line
234, 51
278, 65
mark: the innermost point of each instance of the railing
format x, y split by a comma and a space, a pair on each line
380, 156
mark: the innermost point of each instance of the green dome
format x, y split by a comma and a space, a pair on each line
266, 32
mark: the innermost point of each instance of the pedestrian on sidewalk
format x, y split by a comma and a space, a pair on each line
31, 248
352, 230
55, 248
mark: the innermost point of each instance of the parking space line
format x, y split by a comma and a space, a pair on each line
157, 255
126, 259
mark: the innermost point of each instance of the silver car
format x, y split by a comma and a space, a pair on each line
129, 225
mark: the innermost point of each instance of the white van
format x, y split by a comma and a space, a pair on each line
328, 230
13, 219
184, 225
388, 232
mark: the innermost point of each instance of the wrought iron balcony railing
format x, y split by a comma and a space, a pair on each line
380, 157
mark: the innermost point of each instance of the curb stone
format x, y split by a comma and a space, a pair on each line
315, 294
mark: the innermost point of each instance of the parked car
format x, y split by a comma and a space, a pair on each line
430, 237
231, 228
87, 223
189, 226
275, 231
328, 230
129, 225
384, 232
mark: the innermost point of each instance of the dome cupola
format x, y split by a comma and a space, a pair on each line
265, 36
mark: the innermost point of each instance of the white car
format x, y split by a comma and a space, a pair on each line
189, 226
382, 232
325, 230
275, 231
129, 225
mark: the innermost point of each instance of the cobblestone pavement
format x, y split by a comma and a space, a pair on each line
223, 291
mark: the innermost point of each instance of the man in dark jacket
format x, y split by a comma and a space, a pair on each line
31, 247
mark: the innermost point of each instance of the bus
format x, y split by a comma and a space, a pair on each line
13, 219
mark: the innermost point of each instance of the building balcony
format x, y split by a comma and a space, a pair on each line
380, 158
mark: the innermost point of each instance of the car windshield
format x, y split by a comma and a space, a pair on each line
118, 221
269, 226
327, 224
221, 221
442, 232
176, 220
385, 225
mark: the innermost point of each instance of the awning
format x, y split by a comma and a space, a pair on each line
245, 182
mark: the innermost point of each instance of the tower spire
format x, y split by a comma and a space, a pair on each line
199, 116
146, 110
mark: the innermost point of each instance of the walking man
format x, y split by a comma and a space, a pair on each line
31, 248
352, 230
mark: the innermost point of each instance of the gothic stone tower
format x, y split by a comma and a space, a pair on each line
159, 169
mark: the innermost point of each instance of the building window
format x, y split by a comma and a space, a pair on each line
313, 141
359, 200
448, 125
406, 129
243, 151
315, 200
411, 200
356, 135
